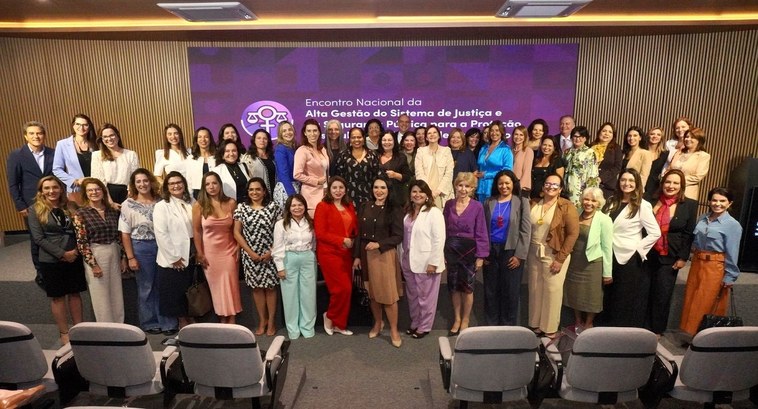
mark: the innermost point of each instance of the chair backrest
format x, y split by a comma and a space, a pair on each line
112, 354
722, 359
21, 357
494, 358
607, 359
220, 355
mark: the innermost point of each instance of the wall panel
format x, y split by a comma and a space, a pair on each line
141, 86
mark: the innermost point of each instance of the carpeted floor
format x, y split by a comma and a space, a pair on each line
324, 371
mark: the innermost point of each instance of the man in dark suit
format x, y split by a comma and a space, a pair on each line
26, 166
563, 139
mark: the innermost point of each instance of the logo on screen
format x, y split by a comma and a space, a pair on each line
266, 115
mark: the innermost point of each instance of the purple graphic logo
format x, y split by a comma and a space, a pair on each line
266, 115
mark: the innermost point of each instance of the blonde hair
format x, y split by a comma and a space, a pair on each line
469, 179
43, 207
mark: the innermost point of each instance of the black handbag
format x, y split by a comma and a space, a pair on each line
711, 320
199, 300
359, 289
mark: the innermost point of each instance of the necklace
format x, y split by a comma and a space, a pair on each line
500, 220
540, 221
588, 218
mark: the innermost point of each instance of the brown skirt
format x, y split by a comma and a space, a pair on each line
384, 283
701, 295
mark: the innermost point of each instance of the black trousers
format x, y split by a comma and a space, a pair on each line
625, 300
662, 282
502, 287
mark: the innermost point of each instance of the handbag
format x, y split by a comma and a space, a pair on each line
359, 289
661, 381
199, 300
712, 320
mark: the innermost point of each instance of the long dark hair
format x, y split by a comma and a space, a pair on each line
91, 131
287, 218
105, 152
211, 143
238, 142
167, 144
253, 151
635, 198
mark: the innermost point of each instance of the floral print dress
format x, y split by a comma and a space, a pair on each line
258, 231
581, 172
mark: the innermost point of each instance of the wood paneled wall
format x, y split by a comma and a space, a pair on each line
141, 86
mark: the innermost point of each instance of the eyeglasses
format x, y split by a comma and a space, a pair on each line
552, 185
78, 125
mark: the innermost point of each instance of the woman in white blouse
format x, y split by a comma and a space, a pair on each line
293, 253
173, 154
693, 161
201, 160
172, 224
434, 165
113, 164
625, 298
138, 239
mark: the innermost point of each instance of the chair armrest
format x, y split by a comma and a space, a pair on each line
446, 352
170, 350
63, 351
664, 353
275, 348
446, 361
556, 359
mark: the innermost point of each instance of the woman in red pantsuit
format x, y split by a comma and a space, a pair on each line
336, 228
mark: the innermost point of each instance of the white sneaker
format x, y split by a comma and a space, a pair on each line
343, 331
328, 326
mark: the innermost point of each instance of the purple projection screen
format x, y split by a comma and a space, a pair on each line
449, 86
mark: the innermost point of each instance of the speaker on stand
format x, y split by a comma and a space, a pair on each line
743, 183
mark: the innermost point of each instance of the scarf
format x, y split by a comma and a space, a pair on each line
663, 217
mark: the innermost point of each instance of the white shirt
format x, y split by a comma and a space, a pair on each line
298, 237
117, 171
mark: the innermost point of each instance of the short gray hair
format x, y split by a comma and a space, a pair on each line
597, 194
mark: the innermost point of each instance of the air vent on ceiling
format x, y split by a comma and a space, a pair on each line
225, 11
540, 8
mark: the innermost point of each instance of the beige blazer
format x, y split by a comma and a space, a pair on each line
641, 161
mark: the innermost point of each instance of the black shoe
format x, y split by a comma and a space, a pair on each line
452, 333
170, 332
154, 331
419, 335
40, 282
410, 331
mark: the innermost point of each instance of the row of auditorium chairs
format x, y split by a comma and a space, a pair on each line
603, 366
116, 360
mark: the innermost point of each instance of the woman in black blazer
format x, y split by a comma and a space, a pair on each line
609, 158
676, 216
52, 229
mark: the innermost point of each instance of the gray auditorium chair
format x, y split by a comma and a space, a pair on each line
24, 364
225, 362
607, 365
720, 366
489, 364
117, 360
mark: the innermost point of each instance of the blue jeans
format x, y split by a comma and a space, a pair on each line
145, 251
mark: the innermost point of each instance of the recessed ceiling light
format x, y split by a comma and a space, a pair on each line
197, 12
540, 8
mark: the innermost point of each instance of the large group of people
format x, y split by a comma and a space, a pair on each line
597, 226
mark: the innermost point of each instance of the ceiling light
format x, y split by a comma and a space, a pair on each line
225, 11
540, 8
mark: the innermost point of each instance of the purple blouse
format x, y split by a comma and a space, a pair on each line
470, 224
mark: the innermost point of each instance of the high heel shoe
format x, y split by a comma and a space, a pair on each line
328, 326
419, 335
397, 342
372, 334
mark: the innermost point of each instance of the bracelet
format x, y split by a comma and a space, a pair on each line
130, 258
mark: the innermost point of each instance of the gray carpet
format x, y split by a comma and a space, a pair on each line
324, 371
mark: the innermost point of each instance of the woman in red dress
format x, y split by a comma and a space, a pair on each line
336, 228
